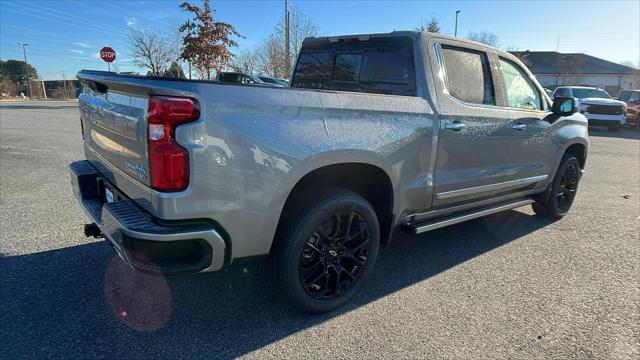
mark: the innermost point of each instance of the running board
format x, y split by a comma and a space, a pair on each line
442, 222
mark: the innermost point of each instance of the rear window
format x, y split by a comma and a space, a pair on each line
377, 66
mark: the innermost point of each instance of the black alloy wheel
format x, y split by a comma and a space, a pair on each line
325, 249
567, 187
557, 200
333, 257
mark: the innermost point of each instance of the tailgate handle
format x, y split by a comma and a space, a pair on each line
97, 86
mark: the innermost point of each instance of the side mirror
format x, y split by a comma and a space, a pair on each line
564, 106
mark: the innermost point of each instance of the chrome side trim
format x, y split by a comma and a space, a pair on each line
491, 187
468, 216
442, 73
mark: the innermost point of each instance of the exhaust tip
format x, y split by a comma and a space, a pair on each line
92, 230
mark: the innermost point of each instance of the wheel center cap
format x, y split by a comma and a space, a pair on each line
333, 253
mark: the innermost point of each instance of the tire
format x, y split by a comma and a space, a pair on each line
614, 128
312, 263
556, 202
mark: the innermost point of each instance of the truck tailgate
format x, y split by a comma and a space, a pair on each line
115, 130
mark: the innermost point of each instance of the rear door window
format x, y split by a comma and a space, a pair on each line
468, 75
377, 66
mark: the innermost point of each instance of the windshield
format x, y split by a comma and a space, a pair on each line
268, 80
254, 78
590, 93
626, 95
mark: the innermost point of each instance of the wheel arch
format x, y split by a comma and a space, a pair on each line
369, 179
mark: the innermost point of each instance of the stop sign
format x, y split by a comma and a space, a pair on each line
107, 54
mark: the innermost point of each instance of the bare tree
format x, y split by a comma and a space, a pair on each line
270, 56
247, 61
631, 63
150, 50
300, 28
485, 37
432, 26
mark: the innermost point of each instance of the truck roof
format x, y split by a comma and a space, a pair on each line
413, 34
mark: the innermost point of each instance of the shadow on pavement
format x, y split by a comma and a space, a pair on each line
38, 107
624, 133
82, 302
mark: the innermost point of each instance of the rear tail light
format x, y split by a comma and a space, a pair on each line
168, 161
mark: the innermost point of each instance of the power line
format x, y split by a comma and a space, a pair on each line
52, 13
62, 22
69, 59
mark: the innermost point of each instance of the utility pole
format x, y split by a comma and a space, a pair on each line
64, 85
189, 61
455, 33
286, 37
44, 91
26, 66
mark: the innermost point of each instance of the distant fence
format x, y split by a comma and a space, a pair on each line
55, 89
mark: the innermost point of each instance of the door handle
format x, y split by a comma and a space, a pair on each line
518, 127
455, 126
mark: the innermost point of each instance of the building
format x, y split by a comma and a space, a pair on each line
554, 69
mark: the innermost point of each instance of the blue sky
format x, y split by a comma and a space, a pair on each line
65, 36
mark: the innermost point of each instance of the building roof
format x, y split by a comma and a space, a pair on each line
552, 62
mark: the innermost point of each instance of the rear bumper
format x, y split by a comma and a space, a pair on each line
145, 243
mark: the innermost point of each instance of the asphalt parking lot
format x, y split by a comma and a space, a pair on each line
510, 285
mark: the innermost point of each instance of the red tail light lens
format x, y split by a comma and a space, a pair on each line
168, 161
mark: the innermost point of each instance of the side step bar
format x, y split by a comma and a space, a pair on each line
442, 222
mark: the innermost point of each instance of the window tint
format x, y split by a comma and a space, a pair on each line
468, 75
520, 91
347, 67
314, 69
388, 70
382, 66
562, 92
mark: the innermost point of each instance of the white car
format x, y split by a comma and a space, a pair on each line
596, 105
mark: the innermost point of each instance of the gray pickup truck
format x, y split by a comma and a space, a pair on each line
376, 133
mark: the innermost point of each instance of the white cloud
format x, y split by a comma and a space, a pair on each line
82, 45
76, 51
131, 21
95, 55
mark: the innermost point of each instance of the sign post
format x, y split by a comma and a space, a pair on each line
108, 55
